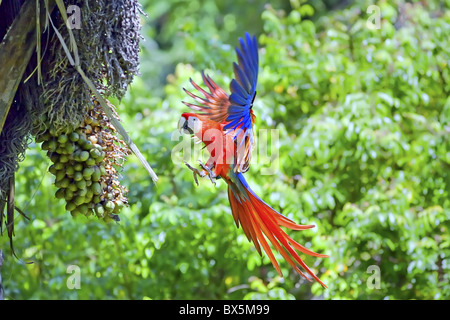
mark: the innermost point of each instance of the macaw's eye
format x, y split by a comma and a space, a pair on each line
194, 124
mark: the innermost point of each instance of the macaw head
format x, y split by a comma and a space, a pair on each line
189, 123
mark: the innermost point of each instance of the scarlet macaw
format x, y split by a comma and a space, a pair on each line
224, 124
234, 110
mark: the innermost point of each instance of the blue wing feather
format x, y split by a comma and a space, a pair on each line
241, 77
238, 89
243, 91
238, 102
245, 64
243, 87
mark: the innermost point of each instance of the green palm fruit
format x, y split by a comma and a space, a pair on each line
90, 161
99, 210
87, 172
83, 209
109, 206
96, 199
52, 145
59, 166
45, 145
70, 148
63, 183
89, 195
96, 174
73, 187
85, 166
74, 136
64, 158
60, 175
62, 139
60, 193
84, 155
52, 169
81, 184
96, 188
77, 176
68, 194
82, 192
118, 206
79, 200
70, 170
70, 206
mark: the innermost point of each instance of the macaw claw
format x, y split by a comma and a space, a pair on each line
210, 174
196, 172
201, 173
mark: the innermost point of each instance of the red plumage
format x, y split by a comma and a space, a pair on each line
258, 220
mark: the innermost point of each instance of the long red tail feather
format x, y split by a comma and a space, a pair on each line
260, 222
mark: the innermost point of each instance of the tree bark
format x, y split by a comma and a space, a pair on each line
15, 52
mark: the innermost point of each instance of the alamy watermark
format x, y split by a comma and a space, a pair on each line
374, 280
73, 17
74, 280
374, 20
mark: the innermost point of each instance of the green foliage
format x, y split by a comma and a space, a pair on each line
364, 154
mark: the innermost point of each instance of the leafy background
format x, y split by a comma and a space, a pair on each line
364, 154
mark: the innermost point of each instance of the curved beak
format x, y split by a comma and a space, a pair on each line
183, 126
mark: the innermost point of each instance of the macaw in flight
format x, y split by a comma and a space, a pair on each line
224, 123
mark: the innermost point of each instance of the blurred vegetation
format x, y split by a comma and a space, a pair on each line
364, 154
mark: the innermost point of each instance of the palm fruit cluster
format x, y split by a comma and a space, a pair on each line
52, 101
85, 166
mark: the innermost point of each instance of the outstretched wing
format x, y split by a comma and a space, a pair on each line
235, 111
215, 103
243, 91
